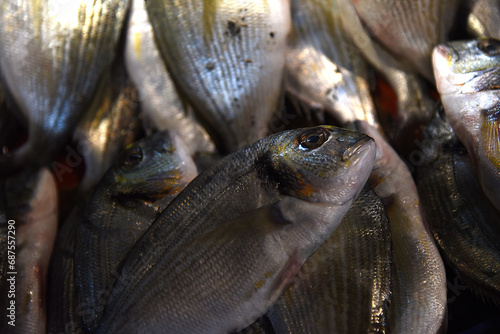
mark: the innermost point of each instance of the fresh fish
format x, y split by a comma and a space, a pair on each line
418, 301
31, 210
143, 181
323, 67
483, 18
344, 287
228, 57
468, 80
414, 103
228, 244
110, 124
417, 264
409, 28
463, 221
160, 101
55, 58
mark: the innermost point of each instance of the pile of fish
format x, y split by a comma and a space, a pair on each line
265, 166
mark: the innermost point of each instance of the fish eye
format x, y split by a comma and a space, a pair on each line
490, 46
313, 139
132, 157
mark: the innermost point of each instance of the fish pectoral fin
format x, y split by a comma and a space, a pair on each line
285, 276
490, 134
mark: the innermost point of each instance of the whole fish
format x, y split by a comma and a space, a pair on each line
463, 221
414, 103
132, 194
31, 212
223, 250
160, 101
54, 61
344, 287
417, 264
468, 80
483, 18
409, 28
228, 58
111, 123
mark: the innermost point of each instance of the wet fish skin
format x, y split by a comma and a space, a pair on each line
228, 58
31, 201
344, 287
111, 123
143, 181
224, 219
409, 29
463, 221
324, 68
468, 77
55, 59
417, 263
483, 18
160, 101
414, 103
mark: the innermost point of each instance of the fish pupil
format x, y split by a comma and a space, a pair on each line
312, 140
490, 46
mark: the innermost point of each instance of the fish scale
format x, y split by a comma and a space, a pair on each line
463, 222
53, 70
244, 199
232, 77
344, 287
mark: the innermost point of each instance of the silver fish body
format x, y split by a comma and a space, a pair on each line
409, 29
464, 223
111, 123
483, 18
468, 79
228, 57
414, 104
145, 178
220, 246
324, 69
31, 209
55, 58
160, 101
418, 301
344, 287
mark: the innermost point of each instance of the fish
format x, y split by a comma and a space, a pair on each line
228, 59
423, 270
409, 29
468, 81
229, 243
418, 300
483, 18
112, 122
160, 101
344, 287
31, 211
324, 67
52, 67
147, 176
463, 221
415, 106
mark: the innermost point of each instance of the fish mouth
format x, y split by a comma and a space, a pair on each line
447, 52
359, 150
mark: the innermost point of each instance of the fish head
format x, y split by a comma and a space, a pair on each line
155, 166
466, 66
323, 164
